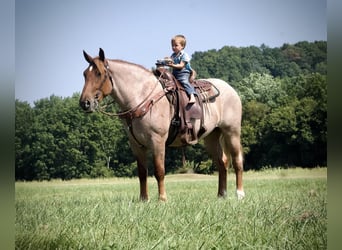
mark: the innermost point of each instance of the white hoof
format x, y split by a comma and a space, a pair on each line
240, 194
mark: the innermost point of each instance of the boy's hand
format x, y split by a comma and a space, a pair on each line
168, 60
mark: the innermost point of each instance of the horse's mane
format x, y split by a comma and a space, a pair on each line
130, 63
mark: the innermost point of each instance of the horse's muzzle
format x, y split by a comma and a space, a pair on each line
88, 105
85, 105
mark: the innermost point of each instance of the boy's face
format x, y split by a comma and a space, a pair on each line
176, 46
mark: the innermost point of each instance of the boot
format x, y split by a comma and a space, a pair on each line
192, 99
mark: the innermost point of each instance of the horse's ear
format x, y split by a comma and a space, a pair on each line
88, 58
101, 55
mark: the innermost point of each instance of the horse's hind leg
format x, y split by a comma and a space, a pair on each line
232, 145
219, 158
223, 149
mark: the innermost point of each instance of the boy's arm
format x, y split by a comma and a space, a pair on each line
177, 66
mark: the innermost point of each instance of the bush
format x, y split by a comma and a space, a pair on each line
100, 170
188, 167
123, 170
205, 167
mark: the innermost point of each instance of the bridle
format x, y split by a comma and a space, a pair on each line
107, 75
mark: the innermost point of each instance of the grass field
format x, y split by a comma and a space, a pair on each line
283, 209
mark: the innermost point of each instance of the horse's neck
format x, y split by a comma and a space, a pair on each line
131, 83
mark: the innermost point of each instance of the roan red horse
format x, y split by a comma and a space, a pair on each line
147, 115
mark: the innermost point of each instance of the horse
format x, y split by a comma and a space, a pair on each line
148, 114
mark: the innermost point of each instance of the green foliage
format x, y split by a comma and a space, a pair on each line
125, 170
55, 139
206, 167
284, 96
232, 64
290, 129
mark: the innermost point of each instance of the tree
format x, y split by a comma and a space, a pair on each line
23, 152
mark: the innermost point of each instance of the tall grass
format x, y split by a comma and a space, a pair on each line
283, 209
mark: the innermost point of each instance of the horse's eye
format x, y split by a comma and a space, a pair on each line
98, 74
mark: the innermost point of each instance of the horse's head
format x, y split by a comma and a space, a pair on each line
97, 82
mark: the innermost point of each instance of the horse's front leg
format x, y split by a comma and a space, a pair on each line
159, 172
140, 154
143, 172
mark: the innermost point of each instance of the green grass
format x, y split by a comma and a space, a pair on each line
283, 209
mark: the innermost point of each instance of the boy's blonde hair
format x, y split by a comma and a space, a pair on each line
180, 38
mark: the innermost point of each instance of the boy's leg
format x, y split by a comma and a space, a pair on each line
189, 89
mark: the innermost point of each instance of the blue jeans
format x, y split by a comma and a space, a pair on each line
183, 78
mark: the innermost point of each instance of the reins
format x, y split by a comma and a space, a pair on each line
127, 112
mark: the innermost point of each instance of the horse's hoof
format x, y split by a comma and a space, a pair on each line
144, 199
163, 198
240, 194
222, 194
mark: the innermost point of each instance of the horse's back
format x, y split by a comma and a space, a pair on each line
224, 87
228, 95
227, 104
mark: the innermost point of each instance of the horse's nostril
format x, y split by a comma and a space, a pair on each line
85, 104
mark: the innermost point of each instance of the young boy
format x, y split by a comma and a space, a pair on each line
180, 64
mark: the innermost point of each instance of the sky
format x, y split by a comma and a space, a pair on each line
50, 35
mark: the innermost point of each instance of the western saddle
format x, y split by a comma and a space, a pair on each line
185, 113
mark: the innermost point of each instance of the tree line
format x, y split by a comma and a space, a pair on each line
284, 97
